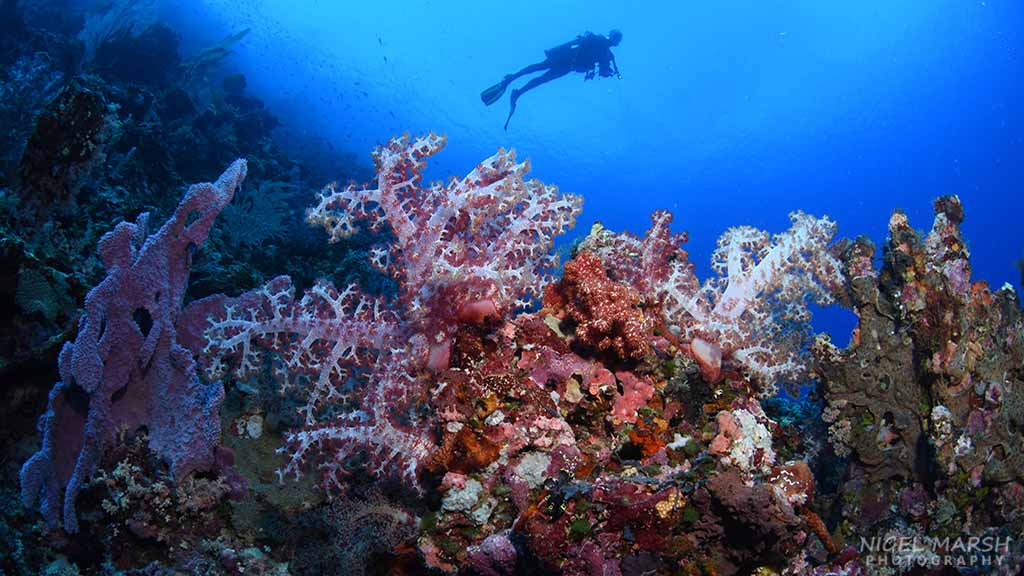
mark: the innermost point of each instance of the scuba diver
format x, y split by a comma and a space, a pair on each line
589, 54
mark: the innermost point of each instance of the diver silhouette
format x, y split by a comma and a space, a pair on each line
589, 54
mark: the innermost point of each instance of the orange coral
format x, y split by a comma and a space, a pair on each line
817, 526
648, 435
465, 451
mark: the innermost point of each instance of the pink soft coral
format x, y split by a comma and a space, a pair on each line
463, 252
473, 248
323, 340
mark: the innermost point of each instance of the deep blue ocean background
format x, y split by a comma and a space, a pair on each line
727, 113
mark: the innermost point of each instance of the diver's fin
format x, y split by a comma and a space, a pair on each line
512, 109
494, 93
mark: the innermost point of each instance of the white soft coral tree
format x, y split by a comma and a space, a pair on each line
754, 311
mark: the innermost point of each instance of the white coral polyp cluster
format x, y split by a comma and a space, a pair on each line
839, 429
750, 448
942, 425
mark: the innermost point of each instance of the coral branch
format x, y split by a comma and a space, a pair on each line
484, 238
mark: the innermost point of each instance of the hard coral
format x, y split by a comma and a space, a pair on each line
139, 504
127, 367
747, 525
67, 141
928, 398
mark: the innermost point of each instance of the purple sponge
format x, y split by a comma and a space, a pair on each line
127, 368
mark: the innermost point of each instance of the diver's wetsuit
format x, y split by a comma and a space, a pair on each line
589, 54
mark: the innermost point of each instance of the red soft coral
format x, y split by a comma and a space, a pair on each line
607, 314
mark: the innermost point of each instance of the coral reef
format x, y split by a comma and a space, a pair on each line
399, 378
545, 474
463, 253
92, 144
67, 142
753, 312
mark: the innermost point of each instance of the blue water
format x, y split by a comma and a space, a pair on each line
728, 112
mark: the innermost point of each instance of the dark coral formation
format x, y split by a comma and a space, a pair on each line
90, 141
91, 145
68, 138
926, 401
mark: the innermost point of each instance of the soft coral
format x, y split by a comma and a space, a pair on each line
754, 311
464, 252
